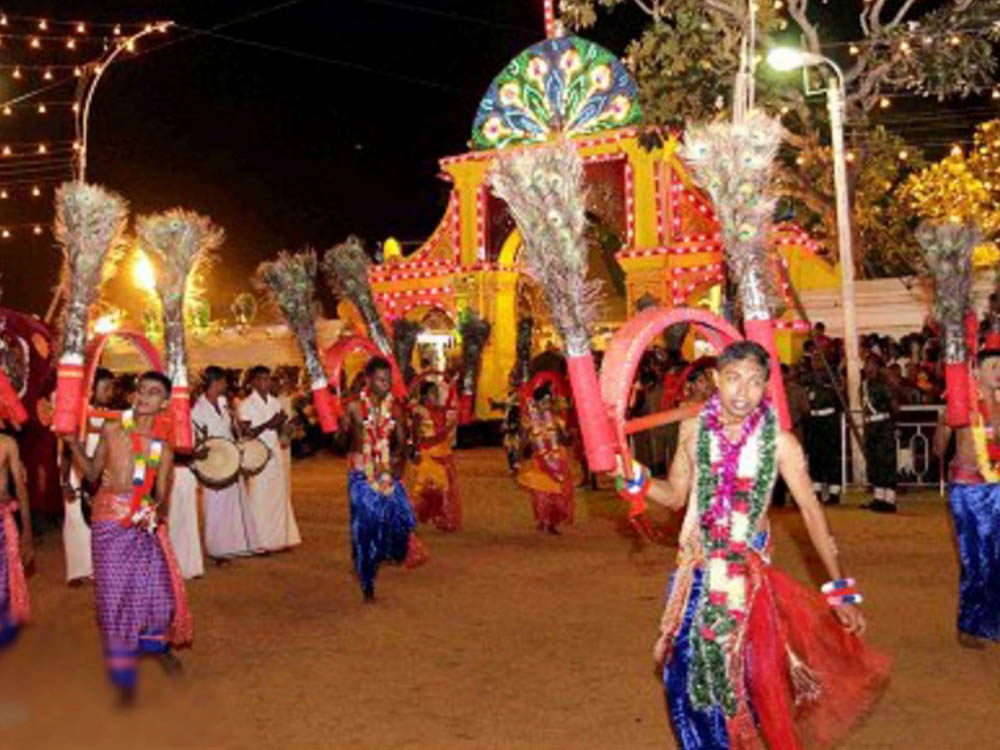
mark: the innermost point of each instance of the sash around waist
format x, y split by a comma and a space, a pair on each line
111, 506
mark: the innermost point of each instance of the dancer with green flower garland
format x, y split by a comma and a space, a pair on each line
750, 657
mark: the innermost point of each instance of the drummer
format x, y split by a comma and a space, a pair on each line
261, 417
229, 525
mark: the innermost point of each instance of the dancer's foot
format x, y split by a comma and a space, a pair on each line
126, 697
369, 597
552, 530
965, 640
170, 663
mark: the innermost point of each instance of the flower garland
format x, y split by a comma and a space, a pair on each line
730, 506
378, 421
142, 510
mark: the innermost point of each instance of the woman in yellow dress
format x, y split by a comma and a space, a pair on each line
548, 474
435, 490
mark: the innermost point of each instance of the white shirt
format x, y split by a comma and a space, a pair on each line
212, 422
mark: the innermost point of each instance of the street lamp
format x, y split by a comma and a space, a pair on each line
785, 59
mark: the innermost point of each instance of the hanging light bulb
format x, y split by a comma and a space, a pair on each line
78, 71
7, 110
130, 45
3, 19
884, 102
71, 43
36, 43
6, 151
117, 31
81, 28
42, 148
41, 109
4, 195
5, 234
76, 106
17, 73
43, 25
47, 75
36, 191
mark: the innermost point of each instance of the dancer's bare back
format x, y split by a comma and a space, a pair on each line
12, 468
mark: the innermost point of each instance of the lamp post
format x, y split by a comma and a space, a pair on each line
784, 59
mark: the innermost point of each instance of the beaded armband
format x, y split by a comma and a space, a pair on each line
840, 592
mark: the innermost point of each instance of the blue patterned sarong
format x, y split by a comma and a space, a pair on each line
694, 728
976, 511
380, 527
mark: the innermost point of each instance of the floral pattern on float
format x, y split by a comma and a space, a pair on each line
565, 86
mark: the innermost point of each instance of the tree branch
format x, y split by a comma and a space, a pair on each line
901, 14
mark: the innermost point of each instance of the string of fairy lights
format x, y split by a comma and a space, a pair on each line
44, 64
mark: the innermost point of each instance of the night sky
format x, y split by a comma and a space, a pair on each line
282, 150
315, 120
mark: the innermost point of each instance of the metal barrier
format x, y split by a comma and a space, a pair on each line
916, 464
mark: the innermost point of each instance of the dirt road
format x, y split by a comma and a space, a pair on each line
507, 639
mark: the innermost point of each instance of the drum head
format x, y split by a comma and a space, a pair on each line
254, 456
220, 466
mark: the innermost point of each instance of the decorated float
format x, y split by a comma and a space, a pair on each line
654, 238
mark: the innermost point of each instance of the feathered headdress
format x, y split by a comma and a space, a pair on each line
544, 189
732, 163
346, 269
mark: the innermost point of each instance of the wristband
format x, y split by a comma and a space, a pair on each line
840, 592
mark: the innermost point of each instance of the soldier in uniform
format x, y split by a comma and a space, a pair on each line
823, 435
880, 408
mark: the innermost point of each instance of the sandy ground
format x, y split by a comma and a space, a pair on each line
507, 639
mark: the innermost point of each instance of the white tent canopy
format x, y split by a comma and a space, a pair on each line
232, 348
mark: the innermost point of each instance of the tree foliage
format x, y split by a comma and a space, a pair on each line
686, 57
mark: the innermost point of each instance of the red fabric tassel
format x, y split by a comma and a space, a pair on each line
416, 553
181, 631
762, 331
69, 398
598, 439
956, 379
325, 409
20, 608
852, 675
180, 408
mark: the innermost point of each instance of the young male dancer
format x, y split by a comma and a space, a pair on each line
749, 656
382, 519
974, 497
139, 592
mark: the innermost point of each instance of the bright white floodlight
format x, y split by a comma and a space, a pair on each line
789, 58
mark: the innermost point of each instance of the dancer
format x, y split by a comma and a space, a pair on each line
139, 592
382, 520
229, 526
548, 476
261, 416
76, 532
16, 549
750, 656
435, 491
974, 497
881, 407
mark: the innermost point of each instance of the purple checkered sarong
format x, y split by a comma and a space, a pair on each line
8, 628
134, 597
